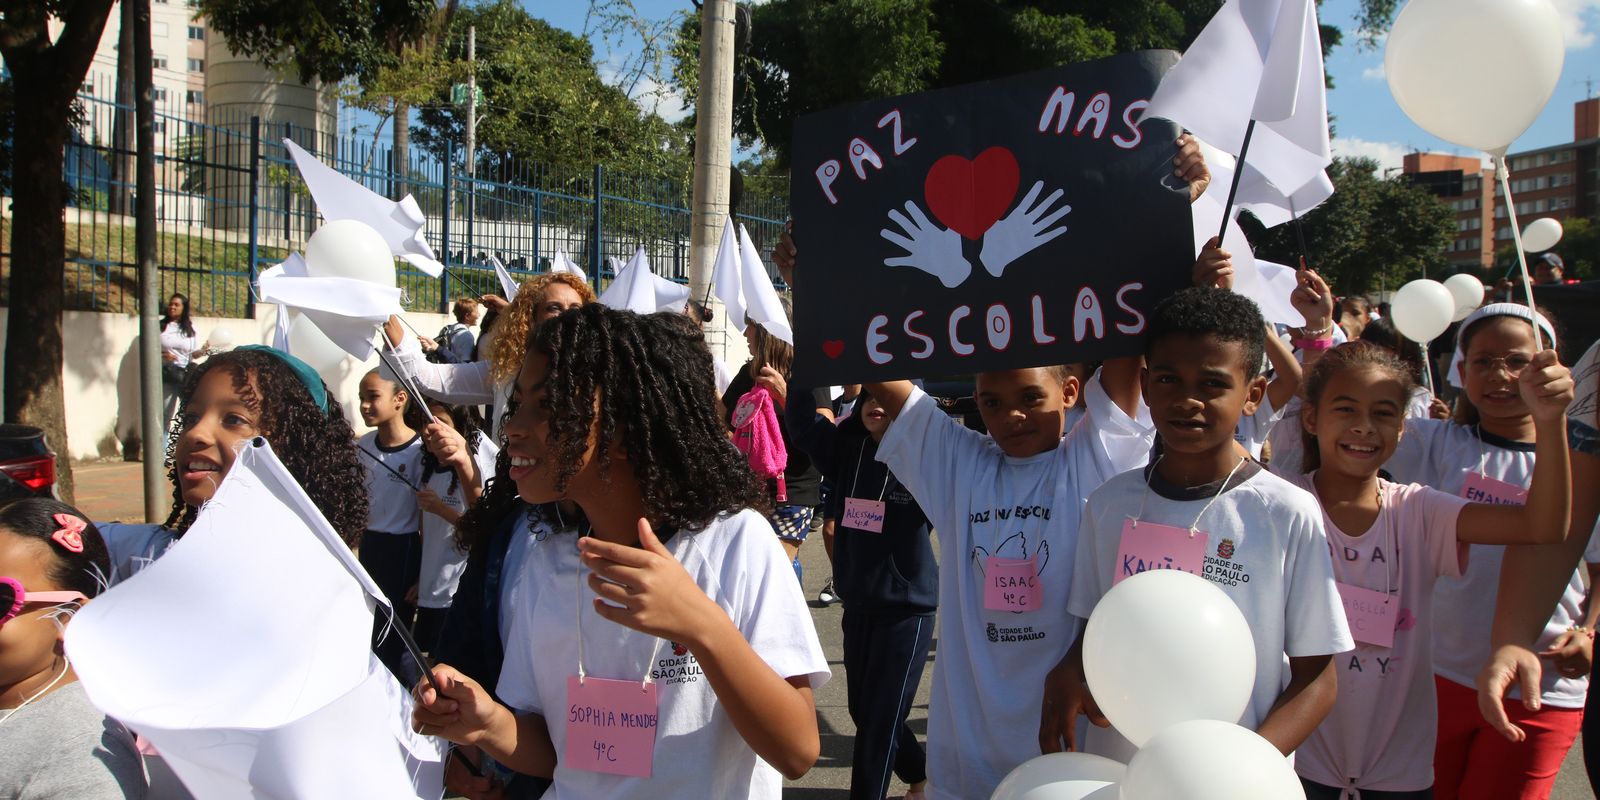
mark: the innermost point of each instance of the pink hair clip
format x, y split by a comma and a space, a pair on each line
70, 534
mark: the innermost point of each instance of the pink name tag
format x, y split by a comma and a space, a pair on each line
1011, 584
1371, 614
1146, 546
611, 726
863, 515
1480, 489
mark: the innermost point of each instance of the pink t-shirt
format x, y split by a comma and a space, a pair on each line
1380, 734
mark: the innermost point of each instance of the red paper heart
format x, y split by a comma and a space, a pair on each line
970, 196
833, 348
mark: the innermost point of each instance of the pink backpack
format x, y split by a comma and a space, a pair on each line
757, 435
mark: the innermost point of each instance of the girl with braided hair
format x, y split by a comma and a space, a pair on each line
233, 397
676, 583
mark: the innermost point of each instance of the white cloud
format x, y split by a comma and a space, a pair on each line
1578, 18
1374, 73
1388, 154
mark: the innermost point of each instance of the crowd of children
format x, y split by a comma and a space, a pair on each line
604, 537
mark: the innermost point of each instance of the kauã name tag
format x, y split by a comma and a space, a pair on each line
864, 515
611, 726
1371, 614
1012, 584
1483, 489
1147, 545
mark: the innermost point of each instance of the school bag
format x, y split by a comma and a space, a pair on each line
756, 434
441, 353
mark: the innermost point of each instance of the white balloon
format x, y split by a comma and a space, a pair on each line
1164, 647
1210, 760
1422, 309
1062, 776
309, 344
1484, 97
1541, 234
1467, 292
346, 248
220, 339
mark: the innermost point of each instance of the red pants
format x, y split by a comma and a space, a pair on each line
1473, 762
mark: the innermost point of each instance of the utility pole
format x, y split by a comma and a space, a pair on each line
151, 408
713, 153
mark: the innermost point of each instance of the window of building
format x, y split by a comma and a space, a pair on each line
159, 62
1561, 202
197, 65
197, 33
159, 94
159, 126
87, 88
194, 97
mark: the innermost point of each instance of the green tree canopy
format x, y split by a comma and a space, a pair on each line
320, 39
1374, 232
546, 102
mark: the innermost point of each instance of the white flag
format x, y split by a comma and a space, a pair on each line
346, 310
243, 655
1261, 281
727, 279
1261, 60
761, 299
338, 197
508, 285
638, 289
561, 263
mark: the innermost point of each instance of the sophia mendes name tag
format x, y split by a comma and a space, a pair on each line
611, 726
1147, 545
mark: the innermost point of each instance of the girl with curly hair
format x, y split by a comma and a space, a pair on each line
231, 398
674, 582
541, 297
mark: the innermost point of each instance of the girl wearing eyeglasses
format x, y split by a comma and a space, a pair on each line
53, 742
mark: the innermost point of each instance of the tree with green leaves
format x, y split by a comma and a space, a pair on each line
546, 103
1374, 233
47, 68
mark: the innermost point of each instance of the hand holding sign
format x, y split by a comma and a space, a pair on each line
1023, 230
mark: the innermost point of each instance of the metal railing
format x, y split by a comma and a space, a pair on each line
230, 204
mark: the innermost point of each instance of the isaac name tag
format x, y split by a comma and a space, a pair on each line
611, 726
1147, 545
1012, 584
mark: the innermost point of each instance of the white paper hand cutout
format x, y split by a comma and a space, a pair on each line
1022, 231
932, 249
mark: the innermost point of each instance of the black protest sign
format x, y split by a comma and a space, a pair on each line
1013, 223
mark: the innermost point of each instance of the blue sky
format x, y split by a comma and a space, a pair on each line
1367, 120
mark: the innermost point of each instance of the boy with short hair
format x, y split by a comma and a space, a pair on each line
1266, 546
1007, 511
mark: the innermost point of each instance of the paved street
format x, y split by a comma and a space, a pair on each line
110, 491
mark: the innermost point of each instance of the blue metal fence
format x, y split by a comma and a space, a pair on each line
230, 204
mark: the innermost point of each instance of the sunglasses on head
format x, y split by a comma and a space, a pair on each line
13, 597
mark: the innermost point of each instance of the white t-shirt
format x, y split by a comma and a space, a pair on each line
1252, 431
1266, 550
983, 716
738, 562
1380, 734
133, 546
392, 477
178, 343
1441, 454
442, 561
468, 384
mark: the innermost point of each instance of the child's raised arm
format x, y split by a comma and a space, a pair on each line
1546, 387
650, 591
1286, 371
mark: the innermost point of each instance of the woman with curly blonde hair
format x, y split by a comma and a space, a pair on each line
540, 298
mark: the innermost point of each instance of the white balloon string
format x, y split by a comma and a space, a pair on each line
1504, 174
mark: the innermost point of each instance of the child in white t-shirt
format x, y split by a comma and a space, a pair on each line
391, 548
1265, 548
1379, 739
457, 460
668, 652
